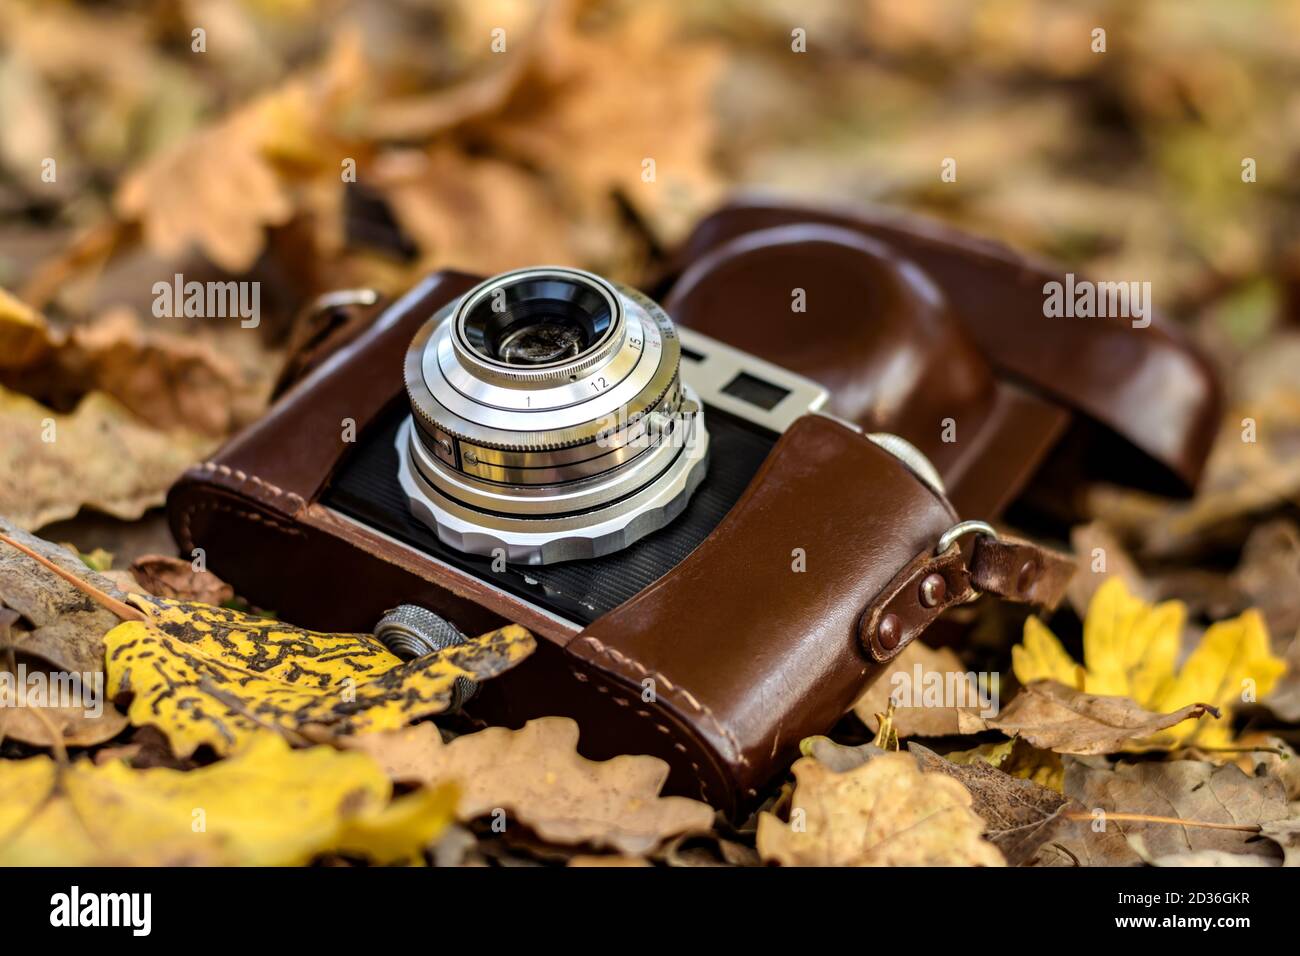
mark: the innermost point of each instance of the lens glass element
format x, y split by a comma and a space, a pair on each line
537, 321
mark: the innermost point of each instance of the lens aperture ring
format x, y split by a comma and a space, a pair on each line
455, 402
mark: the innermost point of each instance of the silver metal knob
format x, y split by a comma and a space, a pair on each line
410, 631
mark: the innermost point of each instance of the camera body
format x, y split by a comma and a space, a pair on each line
785, 580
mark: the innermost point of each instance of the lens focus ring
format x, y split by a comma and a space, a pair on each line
467, 398
549, 419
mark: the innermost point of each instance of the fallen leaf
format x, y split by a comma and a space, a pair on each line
174, 578
215, 676
1182, 789
166, 379
1018, 758
65, 638
1055, 717
1019, 816
883, 813
588, 860
695, 850
1243, 478
219, 189
1199, 858
588, 118
267, 806
462, 211
537, 776
836, 756
406, 754
1286, 834
1101, 556
1130, 648
100, 456
24, 335
926, 673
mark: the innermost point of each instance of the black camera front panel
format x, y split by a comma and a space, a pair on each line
366, 489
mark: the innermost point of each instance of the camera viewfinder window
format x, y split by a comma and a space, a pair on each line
756, 391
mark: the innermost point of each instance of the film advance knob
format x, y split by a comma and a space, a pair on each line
410, 631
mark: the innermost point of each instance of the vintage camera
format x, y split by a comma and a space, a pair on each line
722, 518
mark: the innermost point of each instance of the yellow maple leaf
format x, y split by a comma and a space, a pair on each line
268, 806
215, 676
1130, 649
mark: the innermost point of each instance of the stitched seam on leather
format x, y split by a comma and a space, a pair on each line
611, 691
187, 535
680, 693
244, 477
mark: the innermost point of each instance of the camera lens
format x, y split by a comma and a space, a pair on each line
537, 320
549, 419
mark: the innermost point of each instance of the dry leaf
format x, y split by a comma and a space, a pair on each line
1243, 477
883, 813
267, 806
919, 665
1199, 858
1101, 557
1286, 834
24, 336
174, 578
219, 189
589, 118
1185, 789
587, 860
1055, 717
466, 212
537, 776
65, 638
1130, 649
208, 675
100, 456
1019, 815
167, 380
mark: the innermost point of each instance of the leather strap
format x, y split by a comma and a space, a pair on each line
1011, 568
322, 328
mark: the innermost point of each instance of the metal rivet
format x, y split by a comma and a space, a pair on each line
933, 590
890, 631
1026, 576
470, 457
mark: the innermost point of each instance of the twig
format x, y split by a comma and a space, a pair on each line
1179, 821
107, 601
1240, 750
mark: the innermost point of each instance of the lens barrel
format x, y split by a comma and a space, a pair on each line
549, 419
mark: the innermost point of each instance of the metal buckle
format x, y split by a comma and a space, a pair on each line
959, 531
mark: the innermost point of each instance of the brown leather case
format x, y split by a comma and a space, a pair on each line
728, 660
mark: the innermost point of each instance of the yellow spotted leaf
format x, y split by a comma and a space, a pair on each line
210, 675
886, 812
267, 806
1130, 649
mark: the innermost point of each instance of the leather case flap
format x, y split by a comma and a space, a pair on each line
753, 638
